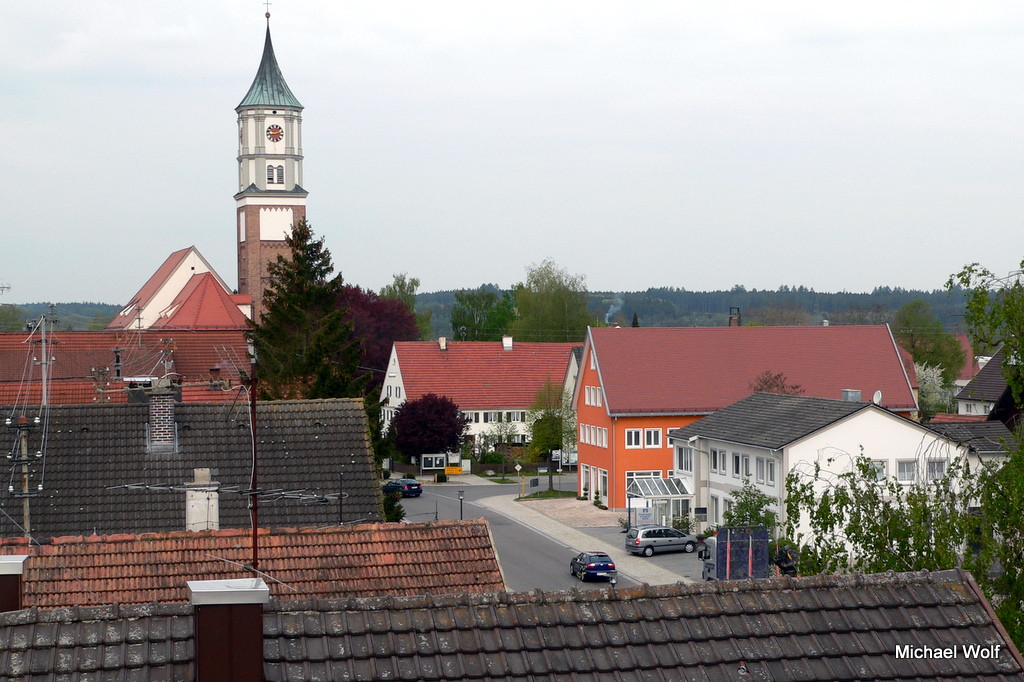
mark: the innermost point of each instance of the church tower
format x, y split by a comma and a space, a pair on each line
270, 197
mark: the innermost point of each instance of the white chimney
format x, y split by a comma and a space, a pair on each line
506, 342
442, 343
202, 503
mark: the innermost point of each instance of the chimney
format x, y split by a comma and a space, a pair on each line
734, 317
851, 395
228, 628
12, 567
506, 343
162, 434
202, 502
442, 343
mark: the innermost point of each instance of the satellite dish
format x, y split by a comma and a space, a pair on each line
877, 398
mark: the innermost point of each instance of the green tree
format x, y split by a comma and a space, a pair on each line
921, 334
304, 346
995, 317
752, 507
551, 305
393, 509
403, 288
482, 315
552, 424
12, 318
864, 521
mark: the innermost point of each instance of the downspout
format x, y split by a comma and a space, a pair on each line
615, 451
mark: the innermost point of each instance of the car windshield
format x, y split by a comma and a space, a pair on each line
633, 532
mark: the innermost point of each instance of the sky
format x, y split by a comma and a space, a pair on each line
655, 144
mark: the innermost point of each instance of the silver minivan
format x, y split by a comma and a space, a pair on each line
647, 540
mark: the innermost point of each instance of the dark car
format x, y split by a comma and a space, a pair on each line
409, 487
647, 540
593, 565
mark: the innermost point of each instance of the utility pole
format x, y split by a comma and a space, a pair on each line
254, 498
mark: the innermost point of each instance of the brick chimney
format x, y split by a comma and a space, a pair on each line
734, 317
12, 567
202, 502
229, 628
162, 433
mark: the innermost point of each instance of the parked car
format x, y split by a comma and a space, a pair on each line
593, 565
647, 540
409, 487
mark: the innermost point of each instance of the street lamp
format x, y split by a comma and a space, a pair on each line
462, 494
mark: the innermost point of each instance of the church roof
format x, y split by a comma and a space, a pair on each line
202, 304
269, 87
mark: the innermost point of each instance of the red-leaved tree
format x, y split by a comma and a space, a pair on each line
431, 424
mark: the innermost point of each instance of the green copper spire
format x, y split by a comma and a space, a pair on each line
268, 89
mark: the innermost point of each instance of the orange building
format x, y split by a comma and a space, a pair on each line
637, 384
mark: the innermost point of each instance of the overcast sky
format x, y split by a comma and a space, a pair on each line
641, 144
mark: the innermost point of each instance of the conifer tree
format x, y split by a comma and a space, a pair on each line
304, 346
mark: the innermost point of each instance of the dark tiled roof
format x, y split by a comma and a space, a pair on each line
697, 370
91, 449
365, 560
988, 384
988, 438
822, 628
769, 420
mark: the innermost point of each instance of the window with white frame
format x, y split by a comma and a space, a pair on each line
603, 483
633, 438
746, 466
769, 475
759, 469
603, 437
584, 478
685, 458
713, 512
736, 459
716, 460
906, 471
936, 469
652, 438
583, 433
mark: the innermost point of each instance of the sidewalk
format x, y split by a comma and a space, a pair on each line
584, 527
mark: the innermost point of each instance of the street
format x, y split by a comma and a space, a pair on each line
529, 560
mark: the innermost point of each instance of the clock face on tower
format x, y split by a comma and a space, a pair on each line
275, 133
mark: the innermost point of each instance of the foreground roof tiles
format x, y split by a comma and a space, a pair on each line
363, 560
482, 374
697, 370
821, 628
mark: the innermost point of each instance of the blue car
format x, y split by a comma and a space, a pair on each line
587, 565
409, 487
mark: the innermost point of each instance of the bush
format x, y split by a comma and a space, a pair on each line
441, 477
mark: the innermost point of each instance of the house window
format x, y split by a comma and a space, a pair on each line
597, 396
936, 469
760, 469
652, 438
270, 175
593, 360
770, 471
714, 457
906, 471
280, 175
685, 459
746, 466
714, 510
877, 470
603, 483
604, 437
585, 479
735, 465
633, 438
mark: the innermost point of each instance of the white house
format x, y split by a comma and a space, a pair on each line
494, 383
764, 437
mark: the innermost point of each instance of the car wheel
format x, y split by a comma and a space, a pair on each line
689, 547
648, 550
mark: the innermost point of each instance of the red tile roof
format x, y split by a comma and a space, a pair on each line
397, 559
970, 366
85, 369
696, 370
481, 374
203, 304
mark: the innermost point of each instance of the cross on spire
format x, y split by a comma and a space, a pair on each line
267, 3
